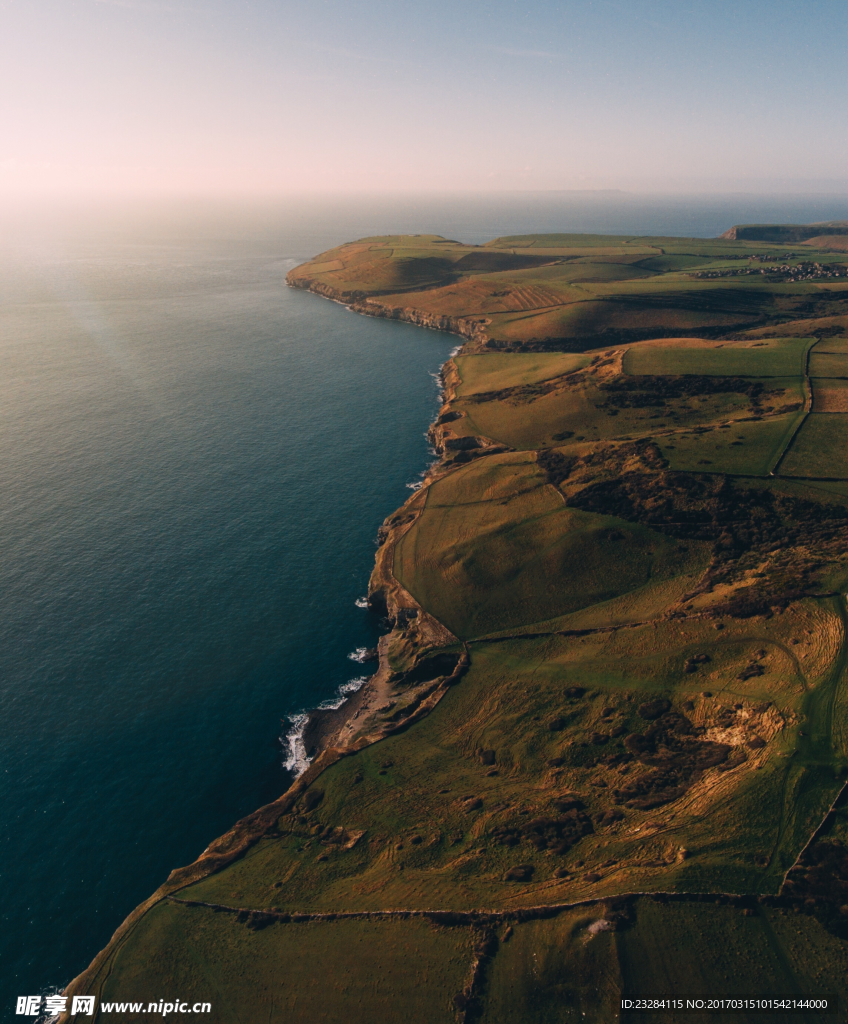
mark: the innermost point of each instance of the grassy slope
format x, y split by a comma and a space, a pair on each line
573, 619
498, 551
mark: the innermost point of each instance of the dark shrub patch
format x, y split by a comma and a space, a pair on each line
520, 873
312, 798
677, 758
653, 709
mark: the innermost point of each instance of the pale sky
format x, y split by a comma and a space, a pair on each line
273, 96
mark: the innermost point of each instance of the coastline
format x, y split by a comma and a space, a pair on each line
471, 329
326, 734
315, 730
312, 729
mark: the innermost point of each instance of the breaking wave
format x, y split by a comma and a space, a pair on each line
296, 758
344, 691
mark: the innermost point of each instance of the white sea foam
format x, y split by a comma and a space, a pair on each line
352, 685
344, 691
44, 1017
361, 602
416, 485
360, 655
440, 386
296, 759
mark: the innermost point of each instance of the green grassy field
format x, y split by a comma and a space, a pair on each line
384, 970
572, 969
497, 371
423, 846
778, 357
829, 362
821, 448
830, 394
582, 412
644, 582
744, 448
714, 432
498, 550
633, 309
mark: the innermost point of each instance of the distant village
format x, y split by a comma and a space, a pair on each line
803, 271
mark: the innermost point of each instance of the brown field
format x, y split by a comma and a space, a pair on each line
829, 360
830, 395
838, 243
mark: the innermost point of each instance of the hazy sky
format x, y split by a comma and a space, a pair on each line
274, 96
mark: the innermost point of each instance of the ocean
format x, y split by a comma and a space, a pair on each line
194, 462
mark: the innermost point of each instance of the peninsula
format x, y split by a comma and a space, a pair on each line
606, 747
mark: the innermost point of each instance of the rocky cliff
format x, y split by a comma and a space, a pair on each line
471, 328
787, 233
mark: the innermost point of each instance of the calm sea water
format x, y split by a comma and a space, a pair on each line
194, 461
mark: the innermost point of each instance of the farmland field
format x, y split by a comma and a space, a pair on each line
829, 362
382, 970
495, 372
688, 947
821, 448
605, 747
779, 357
747, 448
830, 394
